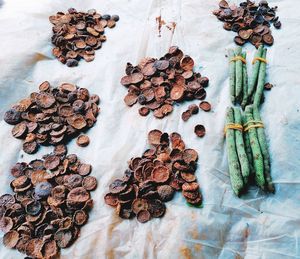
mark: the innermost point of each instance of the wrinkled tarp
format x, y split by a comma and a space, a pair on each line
255, 226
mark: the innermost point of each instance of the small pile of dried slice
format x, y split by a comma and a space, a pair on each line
158, 84
251, 21
152, 179
194, 109
76, 35
50, 205
52, 115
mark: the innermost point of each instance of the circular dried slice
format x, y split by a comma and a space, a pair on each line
6, 224
138, 205
126, 80
187, 63
190, 187
200, 130
193, 86
268, 39
144, 111
239, 41
89, 183
161, 64
188, 74
44, 100
149, 69
193, 108
83, 140
191, 195
11, 238
33, 247
130, 99
7, 200
67, 87
143, 216
160, 174
80, 217
111, 199
77, 121
165, 192
19, 130
43, 189
78, 196
268, 86
223, 4
188, 177
33, 208
63, 238
189, 155
136, 78
73, 180
154, 137
30, 147
117, 186
256, 39
245, 34
49, 249
65, 110
156, 208
44, 87
60, 150
111, 23
12, 116
177, 92
51, 162
186, 115
84, 169
196, 201
205, 106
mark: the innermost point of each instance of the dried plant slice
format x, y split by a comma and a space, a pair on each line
111, 199
89, 183
189, 155
160, 174
186, 115
6, 224
190, 187
51, 162
19, 130
30, 147
83, 140
78, 196
177, 92
165, 192
196, 201
60, 150
80, 217
11, 238
205, 106
139, 205
117, 186
143, 216
49, 249
63, 238
187, 63
77, 121
154, 137
200, 131
144, 111
156, 208
44, 100
188, 177
130, 99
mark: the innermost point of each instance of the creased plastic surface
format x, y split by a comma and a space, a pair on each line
255, 226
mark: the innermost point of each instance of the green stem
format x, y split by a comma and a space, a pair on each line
238, 76
261, 81
255, 71
245, 82
231, 75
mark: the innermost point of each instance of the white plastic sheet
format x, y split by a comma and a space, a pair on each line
255, 226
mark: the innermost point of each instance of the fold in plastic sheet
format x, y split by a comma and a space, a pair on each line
255, 226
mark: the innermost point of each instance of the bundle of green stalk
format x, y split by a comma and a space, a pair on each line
247, 150
241, 91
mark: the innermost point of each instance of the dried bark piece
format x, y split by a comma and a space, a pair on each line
143, 216
83, 140
205, 106
200, 130
89, 183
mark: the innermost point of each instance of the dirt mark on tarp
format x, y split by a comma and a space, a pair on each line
160, 23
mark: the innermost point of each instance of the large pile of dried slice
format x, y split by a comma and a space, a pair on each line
52, 115
158, 84
252, 22
50, 204
76, 35
152, 179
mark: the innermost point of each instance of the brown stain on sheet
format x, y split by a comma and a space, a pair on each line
110, 254
38, 57
185, 252
198, 247
171, 26
160, 23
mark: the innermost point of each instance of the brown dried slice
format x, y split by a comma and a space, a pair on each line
89, 183
196, 201
44, 87
160, 174
138, 205
149, 69
154, 137
156, 208
189, 155
63, 238
188, 177
44, 100
161, 64
84, 169
117, 186
7, 200
30, 147
6, 224
11, 238
77, 121
130, 99
245, 34
190, 187
200, 130
136, 78
187, 63
83, 140
143, 216
186, 115
165, 192
51, 162
19, 130
33, 247
49, 249
111, 199
268, 39
177, 92
256, 39
80, 217
239, 41
144, 111
205, 106
60, 150
268, 86
78, 196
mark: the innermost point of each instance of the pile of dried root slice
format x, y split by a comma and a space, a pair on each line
152, 179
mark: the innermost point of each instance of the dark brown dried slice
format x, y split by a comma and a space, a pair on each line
117, 186
33, 247
83, 140
63, 238
67, 87
154, 137
223, 4
130, 99
49, 249
89, 183
126, 80
80, 217
30, 147
186, 115
245, 34
78, 196
6, 224
191, 195
165, 192
196, 201
193, 108
239, 41
45, 86
33, 208
166, 109
268, 39
84, 169
77, 121
144, 111
43, 189
12, 116
51, 162
73, 180
19, 130
156, 208
138, 205
190, 187
60, 150
268, 86
65, 110
161, 64
205, 106
188, 74
11, 238
160, 174
187, 63
143, 216
177, 92
44, 100
149, 69
7, 200
188, 177
256, 39
189, 155
111, 199
200, 130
